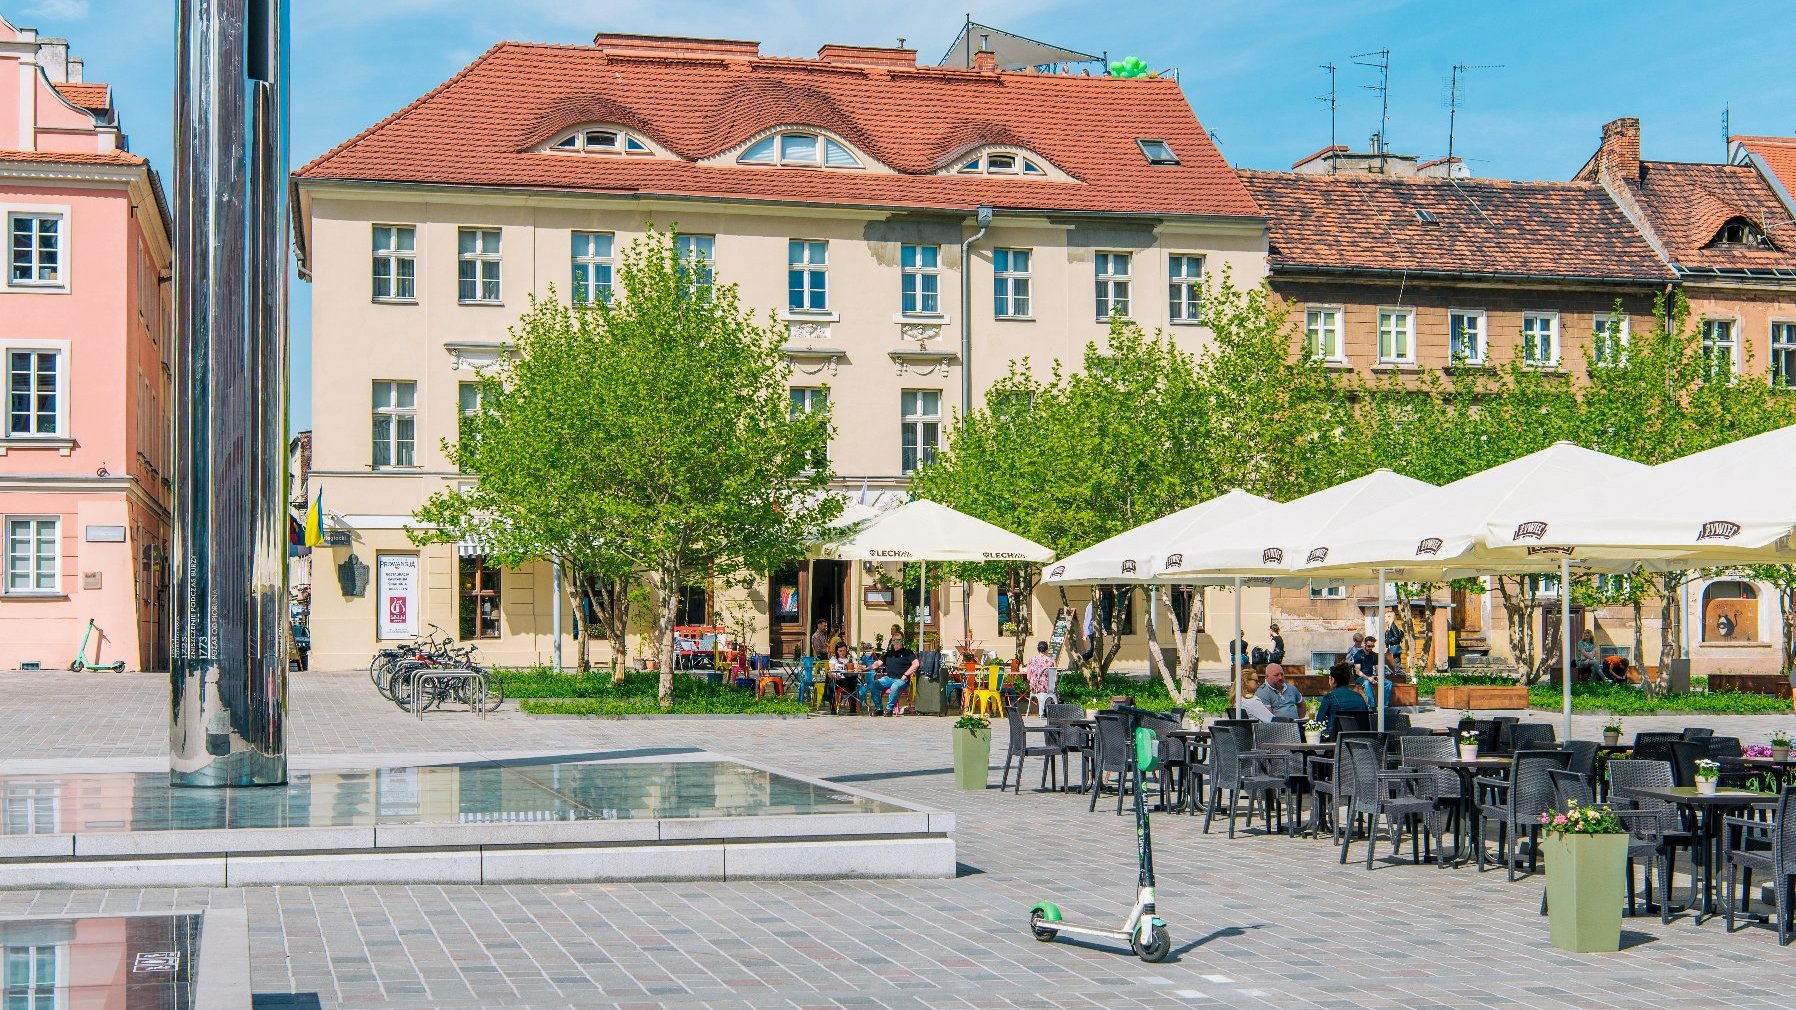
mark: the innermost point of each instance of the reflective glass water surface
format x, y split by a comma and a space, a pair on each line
470, 793
103, 962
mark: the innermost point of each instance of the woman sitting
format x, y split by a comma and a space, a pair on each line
844, 679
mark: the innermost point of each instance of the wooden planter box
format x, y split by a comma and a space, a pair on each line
1475, 697
1774, 684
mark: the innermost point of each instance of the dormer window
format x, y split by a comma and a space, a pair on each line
602, 141
799, 150
1001, 163
1741, 232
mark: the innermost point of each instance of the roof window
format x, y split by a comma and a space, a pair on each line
1000, 163
1741, 232
1157, 152
602, 141
798, 149
1426, 216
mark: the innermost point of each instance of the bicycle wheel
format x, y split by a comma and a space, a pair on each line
495, 694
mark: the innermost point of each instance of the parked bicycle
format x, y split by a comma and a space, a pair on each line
395, 671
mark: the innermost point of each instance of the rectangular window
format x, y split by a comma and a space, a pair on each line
698, 258
395, 263
1465, 337
921, 428
1113, 611
33, 549
807, 276
1718, 346
33, 393
1184, 287
811, 400
479, 253
1783, 355
467, 404
395, 423
920, 280
591, 259
34, 256
1322, 334
1540, 339
1112, 284
34, 979
1010, 283
1609, 339
1396, 329
1613, 586
1327, 590
478, 592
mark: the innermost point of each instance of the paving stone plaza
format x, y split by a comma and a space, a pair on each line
1258, 921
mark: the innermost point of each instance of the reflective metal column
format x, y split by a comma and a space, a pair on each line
228, 663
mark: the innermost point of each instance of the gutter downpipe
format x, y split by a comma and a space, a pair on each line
983, 217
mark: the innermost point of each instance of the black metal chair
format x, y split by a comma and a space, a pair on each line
1372, 793
1684, 755
1020, 750
1235, 769
1532, 736
1444, 789
1072, 740
1658, 824
1697, 732
1769, 847
1515, 804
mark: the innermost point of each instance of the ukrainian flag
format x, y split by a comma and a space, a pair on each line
315, 521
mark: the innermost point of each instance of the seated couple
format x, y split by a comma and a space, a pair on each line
895, 670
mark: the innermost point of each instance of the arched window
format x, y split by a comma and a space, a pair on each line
602, 140
796, 148
1001, 163
1730, 612
1740, 232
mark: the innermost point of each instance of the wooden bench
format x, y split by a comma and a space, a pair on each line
1476, 697
1774, 684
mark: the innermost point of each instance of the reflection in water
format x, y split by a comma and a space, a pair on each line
124, 962
472, 793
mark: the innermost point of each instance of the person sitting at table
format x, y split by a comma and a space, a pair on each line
1343, 698
896, 669
1039, 671
844, 679
1368, 686
1362, 656
1280, 695
1239, 648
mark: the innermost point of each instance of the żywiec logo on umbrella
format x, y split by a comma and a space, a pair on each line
1533, 551
1128, 567
1530, 531
1718, 529
1175, 561
1272, 556
1058, 571
1429, 545
1317, 556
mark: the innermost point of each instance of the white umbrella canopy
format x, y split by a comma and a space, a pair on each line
1135, 555
928, 531
1735, 503
1271, 541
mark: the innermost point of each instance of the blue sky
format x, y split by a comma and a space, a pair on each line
1250, 67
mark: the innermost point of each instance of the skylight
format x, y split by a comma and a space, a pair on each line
799, 149
602, 141
1427, 217
1001, 163
1157, 152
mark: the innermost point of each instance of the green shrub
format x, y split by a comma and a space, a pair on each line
1149, 694
1429, 681
544, 692
1621, 700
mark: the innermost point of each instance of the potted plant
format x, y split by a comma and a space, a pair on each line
1586, 850
1466, 719
1780, 746
1708, 776
1468, 745
972, 751
1612, 732
1313, 729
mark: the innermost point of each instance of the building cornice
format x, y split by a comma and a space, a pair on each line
137, 179
53, 483
1291, 272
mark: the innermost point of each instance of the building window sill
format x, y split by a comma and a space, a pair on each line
28, 288
1013, 319
1396, 366
413, 301
63, 446
480, 301
1187, 322
927, 318
790, 315
46, 595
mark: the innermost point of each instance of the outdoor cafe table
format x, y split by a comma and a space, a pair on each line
1710, 809
1467, 769
1783, 772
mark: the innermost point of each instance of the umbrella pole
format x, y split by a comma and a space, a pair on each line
1234, 653
922, 603
1378, 691
1565, 643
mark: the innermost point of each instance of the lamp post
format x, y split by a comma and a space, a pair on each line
228, 659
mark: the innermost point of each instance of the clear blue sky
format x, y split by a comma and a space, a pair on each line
1250, 67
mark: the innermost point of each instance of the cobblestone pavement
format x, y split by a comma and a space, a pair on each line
1257, 921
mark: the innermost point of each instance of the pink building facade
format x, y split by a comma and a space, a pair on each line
85, 464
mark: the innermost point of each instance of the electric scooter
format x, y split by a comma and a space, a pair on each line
1144, 931
81, 662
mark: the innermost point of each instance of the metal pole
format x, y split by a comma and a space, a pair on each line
555, 622
228, 658
922, 603
1378, 689
1565, 643
1234, 653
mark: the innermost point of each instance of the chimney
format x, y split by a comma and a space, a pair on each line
985, 60
868, 56
76, 64
614, 44
1620, 154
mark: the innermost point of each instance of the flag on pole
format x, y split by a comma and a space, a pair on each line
315, 521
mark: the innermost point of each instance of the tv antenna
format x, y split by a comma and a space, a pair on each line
1330, 99
1461, 71
1382, 63
1726, 134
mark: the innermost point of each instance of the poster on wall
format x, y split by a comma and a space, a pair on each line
397, 600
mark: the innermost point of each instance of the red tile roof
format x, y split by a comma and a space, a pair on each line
92, 97
478, 129
1779, 154
122, 158
1482, 227
1686, 205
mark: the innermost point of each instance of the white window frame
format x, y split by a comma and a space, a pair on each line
1732, 344
1313, 331
34, 559
914, 278
486, 263
64, 246
623, 142
1408, 357
60, 348
1012, 287
1782, 338
1599, 337
1111, 287
394, 413
807, 266
1327, 591
393, 256
1481, 339
914, 422
1184, 289
1556, 344
701, 249
598, 269
809, 400
776, 155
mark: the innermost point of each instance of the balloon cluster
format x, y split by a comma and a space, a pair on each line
1134, 66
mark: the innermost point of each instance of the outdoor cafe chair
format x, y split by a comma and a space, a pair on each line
1174, 770
1698, 732
1658, 823
1444, 788
1071, 740
1234, 769
1583, 758
1653, 745
1770, 848
1684, 755
989, 700
1020, 751
1373, 793
1110, 753
1576, 788
1516, 803
1531, 736
1328, 793
1289, 766
1042, 699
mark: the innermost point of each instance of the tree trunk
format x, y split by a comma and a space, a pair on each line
1640, 644
1787, 601
1670, 640
1520, 610
1184, 639
664, 632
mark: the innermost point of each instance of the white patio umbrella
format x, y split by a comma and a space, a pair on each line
1440, 533
1269, 541
926, 531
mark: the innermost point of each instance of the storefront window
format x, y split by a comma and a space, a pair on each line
479, 599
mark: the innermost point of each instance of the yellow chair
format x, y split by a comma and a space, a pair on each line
989, 697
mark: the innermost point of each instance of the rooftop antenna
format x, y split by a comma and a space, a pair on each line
901, 42
1461, 71
1330, 99
1383, 87
1726, 134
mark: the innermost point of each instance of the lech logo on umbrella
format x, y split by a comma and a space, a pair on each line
1531, 531
1272, 556
1128, 567
1175, 561
1318, 555
1718, 529
1429, 545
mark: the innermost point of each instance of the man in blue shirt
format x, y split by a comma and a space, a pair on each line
1344, 698
1280, 695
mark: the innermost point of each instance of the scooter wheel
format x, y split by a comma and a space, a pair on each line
1159, 944
1042, 933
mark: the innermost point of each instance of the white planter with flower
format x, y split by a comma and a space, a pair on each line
1468, 746
1313, 730
1612, 733
1780, 746
1708, 776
